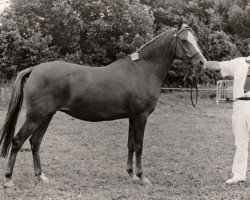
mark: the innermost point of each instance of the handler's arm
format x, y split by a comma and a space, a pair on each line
213, 66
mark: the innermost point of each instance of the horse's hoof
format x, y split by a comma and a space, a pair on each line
136, 179
145, 181
43, 178
8, 184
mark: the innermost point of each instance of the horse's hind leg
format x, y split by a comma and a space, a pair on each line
23, 134
35, 142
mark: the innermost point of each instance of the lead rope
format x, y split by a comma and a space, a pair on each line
194, 83
190, 75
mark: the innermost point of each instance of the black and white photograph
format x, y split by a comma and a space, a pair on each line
124, 99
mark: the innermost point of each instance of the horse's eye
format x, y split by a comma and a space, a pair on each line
184, 41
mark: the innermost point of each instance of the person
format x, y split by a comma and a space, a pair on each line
239, 68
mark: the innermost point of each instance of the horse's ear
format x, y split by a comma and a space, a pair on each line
180, 22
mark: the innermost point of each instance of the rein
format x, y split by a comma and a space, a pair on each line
190, 73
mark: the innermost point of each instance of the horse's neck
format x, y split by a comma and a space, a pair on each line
159, 56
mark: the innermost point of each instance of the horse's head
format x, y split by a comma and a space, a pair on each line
186, 46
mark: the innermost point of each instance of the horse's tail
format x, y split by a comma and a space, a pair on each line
8, 130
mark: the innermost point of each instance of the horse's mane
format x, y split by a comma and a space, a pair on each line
152, 40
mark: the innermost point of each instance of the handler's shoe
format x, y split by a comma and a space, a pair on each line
235, 180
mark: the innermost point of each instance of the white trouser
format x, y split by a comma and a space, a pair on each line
241, 129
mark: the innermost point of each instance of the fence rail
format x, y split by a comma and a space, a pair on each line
189, 89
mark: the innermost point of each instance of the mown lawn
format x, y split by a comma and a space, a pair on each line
188, 153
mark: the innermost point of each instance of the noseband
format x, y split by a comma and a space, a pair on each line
190, 72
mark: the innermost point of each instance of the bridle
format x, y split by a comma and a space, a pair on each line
190, 73
177, 40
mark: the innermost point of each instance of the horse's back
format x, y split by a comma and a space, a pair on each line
88, 93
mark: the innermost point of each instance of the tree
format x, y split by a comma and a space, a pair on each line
116, 27
85, 32
21, 49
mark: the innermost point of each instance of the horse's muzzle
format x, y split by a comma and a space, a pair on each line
199, 62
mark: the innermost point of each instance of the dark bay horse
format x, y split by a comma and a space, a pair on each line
128, 88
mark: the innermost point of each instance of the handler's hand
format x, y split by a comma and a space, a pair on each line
248, 59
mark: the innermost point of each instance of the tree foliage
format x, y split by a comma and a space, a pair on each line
98, 32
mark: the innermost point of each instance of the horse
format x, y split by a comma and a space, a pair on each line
127, 88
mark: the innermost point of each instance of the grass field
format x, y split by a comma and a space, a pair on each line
188, 153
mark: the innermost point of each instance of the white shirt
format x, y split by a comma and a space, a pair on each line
237, 68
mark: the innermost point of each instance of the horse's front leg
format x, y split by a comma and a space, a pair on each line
136, 134
131, 148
